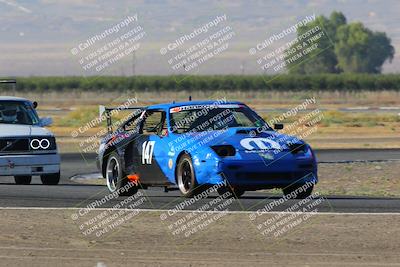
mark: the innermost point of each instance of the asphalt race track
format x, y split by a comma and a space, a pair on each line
75, 163
349, 155
72, 195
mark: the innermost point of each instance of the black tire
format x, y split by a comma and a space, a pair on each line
116, 178
303, 194
185, 176
23, 179
236, 192
50, 179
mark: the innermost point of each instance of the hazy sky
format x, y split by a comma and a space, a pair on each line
46, 37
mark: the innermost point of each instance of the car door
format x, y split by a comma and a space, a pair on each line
150, 146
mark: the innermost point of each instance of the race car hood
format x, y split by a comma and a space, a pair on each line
250, 139
18, 130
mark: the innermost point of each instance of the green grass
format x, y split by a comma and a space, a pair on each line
347, 119
83, 115
78, 117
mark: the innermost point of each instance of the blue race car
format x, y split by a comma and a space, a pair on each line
197, 144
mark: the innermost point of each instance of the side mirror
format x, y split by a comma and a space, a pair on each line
35, 104
45, 121
163, 133
278, 126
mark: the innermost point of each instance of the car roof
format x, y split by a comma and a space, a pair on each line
192, 103
12, 98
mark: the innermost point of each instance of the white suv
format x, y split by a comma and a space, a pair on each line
26, 148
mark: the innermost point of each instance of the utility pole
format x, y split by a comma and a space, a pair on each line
10, 81
242, 68
133, 63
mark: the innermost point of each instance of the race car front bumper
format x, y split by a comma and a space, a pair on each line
257, 172
264, 175
13, 165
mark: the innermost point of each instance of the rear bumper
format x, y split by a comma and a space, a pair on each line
12, 165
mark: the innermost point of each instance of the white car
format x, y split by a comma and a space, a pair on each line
26, 148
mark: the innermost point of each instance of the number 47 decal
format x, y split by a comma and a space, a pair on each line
147, 151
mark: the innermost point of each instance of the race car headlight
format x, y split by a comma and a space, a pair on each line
298, 148
42, 143
224, 150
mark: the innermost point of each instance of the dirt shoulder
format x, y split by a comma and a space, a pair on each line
50, 238
377, 179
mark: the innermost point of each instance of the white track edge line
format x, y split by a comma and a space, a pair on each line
188, 211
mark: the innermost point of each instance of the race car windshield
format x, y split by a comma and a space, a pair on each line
17, 112
204, 119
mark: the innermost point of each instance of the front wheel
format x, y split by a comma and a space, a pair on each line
116, 178
50, 179
23, 179
294, 190
185, 176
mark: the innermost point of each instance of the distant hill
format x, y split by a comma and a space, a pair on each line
38, 35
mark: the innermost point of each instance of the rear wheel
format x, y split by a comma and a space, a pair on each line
116, 178
185, 176
50, 179
23, 179
297, 192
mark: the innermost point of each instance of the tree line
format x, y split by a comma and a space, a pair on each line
292, 82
